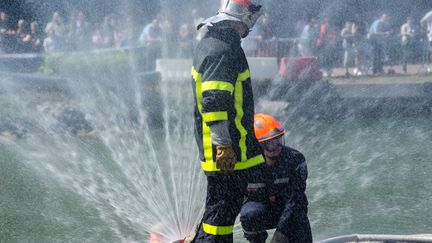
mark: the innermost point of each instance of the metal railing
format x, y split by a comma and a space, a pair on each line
380, 238
276, 47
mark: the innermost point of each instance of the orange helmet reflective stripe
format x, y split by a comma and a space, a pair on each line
266, 127
245, 3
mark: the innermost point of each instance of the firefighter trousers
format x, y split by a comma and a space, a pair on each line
257, 217
225, 196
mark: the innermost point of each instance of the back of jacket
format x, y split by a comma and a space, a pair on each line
223, 92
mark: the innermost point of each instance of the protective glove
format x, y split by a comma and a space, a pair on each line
225, 158
278, 237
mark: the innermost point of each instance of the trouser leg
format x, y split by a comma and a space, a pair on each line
256, 218
297, 228
380, 59
224, 200
405, 55
376, 58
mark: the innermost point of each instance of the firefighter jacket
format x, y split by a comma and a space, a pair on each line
287, 185
223, 92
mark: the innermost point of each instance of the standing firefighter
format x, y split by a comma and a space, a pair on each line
281, 204
224, 109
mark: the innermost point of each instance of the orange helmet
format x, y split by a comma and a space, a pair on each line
266, 127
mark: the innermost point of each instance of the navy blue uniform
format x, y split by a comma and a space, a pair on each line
223, 93
280, 203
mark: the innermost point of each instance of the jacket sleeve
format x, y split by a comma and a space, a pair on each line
218, 82
298, 200
300, 174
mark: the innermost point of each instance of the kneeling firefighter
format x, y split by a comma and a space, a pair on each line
282, 203
223, 114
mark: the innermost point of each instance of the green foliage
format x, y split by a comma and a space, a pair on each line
87, 64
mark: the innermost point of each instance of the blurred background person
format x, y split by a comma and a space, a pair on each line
379, 34
97, 39
107, 31
151, 37
58, 28
348, 46
6, 34
426, 24
50, 43
185, 41
327, 46
20, 35
409, 33
80, 32
308, 38
267, 47
169, 40
123, 33
363, 54
33, 39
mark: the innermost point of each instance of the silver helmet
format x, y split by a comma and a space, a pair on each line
246, 11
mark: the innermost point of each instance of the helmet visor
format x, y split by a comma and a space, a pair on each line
255, 12
273, 144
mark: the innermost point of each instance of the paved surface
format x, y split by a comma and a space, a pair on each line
416, 74
415, 69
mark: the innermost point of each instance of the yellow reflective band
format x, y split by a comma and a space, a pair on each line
215, 116
210, 166
238, 97
217, 230
198, 80
217, 85
207, 143
195, 74
243, 76
259, 159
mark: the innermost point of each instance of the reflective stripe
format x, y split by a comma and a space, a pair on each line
217, 230
195, 74
243, 76
259, 159
217, 85
207, 143
215, 116
281, 180
238, 96
209, 165
255, 185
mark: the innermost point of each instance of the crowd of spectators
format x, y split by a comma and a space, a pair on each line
358, 46
76, 33
73, 34
363, 48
